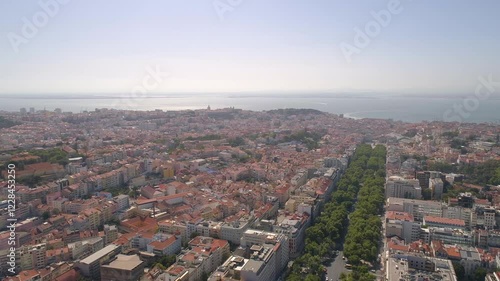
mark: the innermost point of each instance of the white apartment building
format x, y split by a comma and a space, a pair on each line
402, 188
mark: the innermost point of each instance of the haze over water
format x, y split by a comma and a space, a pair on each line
408, 109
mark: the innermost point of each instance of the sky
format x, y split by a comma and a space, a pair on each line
95, 46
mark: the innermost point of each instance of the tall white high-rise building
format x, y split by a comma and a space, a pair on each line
402, 188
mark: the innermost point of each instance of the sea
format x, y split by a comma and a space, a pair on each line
402, 108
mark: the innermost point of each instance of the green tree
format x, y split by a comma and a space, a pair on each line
479, 274
459, 270
6, 123
159, 265
167, 261
294, 277
311, 277
46, 215
427, 193
495, 180
237, 141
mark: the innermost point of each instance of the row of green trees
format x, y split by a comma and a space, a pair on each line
329, 228
361, 246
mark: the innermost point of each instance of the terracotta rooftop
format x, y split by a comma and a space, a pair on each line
393, 215
160, 245
175, 270
139, 223
451, 222
189, 257
68, 276
453, 252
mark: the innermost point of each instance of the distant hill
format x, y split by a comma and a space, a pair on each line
295, 111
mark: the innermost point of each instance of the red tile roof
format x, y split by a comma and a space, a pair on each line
394, 215
440, 220
68, 276
161, 245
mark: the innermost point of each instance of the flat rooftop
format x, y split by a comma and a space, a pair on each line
398, 269
124, 262
99, 254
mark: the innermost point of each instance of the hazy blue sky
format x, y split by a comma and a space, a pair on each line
288, 45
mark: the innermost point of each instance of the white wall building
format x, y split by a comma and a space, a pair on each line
402, 188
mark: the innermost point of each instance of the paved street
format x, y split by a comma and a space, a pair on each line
336, 267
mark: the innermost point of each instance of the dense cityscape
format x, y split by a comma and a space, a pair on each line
236, 140
229, 194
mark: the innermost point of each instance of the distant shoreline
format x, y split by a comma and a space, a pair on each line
244, 96
407, 109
